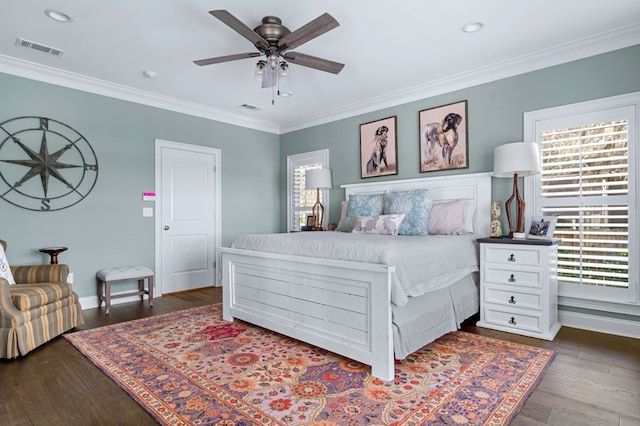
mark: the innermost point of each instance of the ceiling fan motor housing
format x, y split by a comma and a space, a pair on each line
272, 30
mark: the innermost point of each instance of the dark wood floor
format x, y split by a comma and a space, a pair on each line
594, 379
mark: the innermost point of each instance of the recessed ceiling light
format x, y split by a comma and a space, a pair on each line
472, 27
58, 16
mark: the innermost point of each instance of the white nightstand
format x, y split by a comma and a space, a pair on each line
519, 286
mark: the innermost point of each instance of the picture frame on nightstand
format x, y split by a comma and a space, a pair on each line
542, 227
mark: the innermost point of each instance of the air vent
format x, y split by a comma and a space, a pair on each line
251, 107
20, 42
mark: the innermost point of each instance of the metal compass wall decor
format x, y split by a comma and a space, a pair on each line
45, 165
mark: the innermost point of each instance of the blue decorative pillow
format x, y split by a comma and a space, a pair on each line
362, 205
416, 206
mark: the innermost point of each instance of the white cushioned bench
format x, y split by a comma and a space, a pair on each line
108, 276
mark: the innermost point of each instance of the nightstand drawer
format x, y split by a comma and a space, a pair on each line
512, 277
512, 319
511, 255
508, 297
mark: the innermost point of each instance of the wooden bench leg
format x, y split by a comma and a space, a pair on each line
108, 296
150, 280
100, 292
141, 288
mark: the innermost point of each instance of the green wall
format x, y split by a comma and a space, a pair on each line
495, 116
107, 228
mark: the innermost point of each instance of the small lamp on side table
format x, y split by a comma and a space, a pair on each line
513, 160
318, 179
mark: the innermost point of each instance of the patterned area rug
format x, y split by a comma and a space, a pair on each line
192, 367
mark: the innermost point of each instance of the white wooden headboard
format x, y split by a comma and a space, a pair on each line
475, 188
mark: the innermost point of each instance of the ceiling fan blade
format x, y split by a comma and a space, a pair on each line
227, 58
314, 62
313, 29
239, 27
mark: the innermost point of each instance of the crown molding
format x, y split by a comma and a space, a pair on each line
568, 52
33, 71
590, 46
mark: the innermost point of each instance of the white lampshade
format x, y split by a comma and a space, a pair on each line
317, 179
517, 157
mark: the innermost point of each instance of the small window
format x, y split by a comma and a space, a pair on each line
299, 200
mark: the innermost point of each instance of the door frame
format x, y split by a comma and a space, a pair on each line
217, 153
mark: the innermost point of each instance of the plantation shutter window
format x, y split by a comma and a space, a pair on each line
586, 182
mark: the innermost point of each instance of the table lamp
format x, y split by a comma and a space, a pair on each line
318, 179
513, 160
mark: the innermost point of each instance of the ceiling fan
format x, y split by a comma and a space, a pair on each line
274, 40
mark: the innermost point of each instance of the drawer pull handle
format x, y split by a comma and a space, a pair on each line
512, 279
512, 300
512, 321
511, 258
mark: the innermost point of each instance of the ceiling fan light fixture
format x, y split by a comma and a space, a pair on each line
284, 73
261, 70
273, 61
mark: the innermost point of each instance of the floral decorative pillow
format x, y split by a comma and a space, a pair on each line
447, 218
5, 271
362, 205
415, 205
385, 224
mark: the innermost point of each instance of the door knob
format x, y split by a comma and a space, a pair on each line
166, 227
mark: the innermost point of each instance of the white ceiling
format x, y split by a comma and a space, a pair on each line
393, 54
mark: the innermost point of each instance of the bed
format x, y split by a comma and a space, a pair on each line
362, 309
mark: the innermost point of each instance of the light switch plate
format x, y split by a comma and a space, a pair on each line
147, 212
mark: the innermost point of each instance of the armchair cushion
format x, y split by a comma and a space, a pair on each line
29, 296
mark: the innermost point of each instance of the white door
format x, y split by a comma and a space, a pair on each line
188, 233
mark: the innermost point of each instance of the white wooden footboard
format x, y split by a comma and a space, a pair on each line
343, 307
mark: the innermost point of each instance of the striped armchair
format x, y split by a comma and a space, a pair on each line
40, 306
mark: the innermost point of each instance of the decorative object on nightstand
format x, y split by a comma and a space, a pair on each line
496, 226
513, 160
318, 179
519, 286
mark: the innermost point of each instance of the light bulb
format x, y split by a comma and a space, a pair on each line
273, 61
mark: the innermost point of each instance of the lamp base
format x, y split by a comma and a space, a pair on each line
318, 213
520, 204
519, 235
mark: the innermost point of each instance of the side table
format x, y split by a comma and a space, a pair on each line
519, 286
53, 252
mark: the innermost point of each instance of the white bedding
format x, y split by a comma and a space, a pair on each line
423, 263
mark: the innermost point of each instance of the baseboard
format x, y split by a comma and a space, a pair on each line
619, 327
91, 302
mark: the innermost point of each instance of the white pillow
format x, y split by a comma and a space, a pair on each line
469, 213
386, 224
343, 216
447, 218
5, 271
